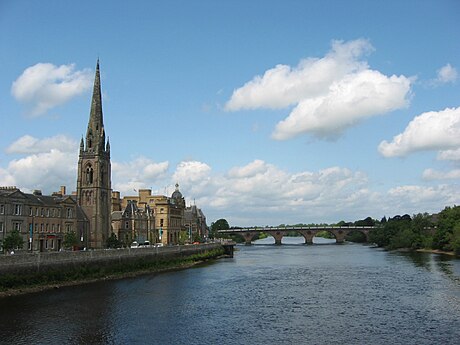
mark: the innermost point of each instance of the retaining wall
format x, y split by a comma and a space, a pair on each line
42, 262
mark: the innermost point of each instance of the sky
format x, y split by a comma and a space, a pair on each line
264, 112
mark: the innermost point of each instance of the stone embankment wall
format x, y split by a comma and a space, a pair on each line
30, 263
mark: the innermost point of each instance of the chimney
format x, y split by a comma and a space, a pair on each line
62, 190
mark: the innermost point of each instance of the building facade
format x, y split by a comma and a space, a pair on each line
195, 223
134, 224
167, 213
42, 220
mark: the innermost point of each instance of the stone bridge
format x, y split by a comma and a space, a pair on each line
308, 232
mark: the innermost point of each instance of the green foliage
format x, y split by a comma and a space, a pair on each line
356, 236
325, 234
13, 241
220, 224
113, 242
365, 222
70, 240
441, 231
445, 238
455, 239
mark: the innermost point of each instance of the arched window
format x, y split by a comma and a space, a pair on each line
89, 175
102, 174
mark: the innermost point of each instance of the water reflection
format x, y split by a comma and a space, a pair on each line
436, 263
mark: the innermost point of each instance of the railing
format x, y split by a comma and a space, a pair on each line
297, 228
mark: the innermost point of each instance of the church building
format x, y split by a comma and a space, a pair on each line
94, 191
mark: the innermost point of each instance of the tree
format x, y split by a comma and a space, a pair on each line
220, 224
70, 240
13, 241
365, 222
113, 242
455, 241
445, 237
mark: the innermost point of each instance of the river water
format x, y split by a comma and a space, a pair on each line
266, 294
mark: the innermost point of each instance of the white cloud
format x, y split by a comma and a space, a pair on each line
447, 74
434, 130
191, 172
260, 193
431, 174
413, 199
139, 173
449, 155
351, 99
329, 94
45, 171
45, 86
28, 144
48, 163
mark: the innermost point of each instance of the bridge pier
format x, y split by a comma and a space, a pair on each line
340, 236
308, 236
248, 236
277, 235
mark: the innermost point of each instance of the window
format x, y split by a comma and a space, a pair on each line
52, 244
48, 212
17, 209
69, 213
68, 227
17, 226
46, 244
161, 222
42, 212
52, 212
59, 227
2, 209
46, 227
41, 227
89, 174
1, 227
53, 228
31, 211
36, 211
127, 225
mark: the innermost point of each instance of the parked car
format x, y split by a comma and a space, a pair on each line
134, 245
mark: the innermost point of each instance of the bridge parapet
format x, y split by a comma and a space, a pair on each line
308, 232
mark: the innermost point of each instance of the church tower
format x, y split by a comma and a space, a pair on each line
94, 173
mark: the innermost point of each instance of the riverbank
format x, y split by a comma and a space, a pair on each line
18, 284
436, 251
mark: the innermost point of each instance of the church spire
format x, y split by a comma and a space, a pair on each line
95, 135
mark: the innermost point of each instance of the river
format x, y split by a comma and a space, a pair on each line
266, 294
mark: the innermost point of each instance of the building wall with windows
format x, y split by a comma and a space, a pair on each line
168, 212
134, 224
195, 223
41, 220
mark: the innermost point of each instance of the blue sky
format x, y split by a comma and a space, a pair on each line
264, 112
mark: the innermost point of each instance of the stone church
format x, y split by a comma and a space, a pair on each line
94, 191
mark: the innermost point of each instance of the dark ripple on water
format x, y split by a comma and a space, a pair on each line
348, 294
